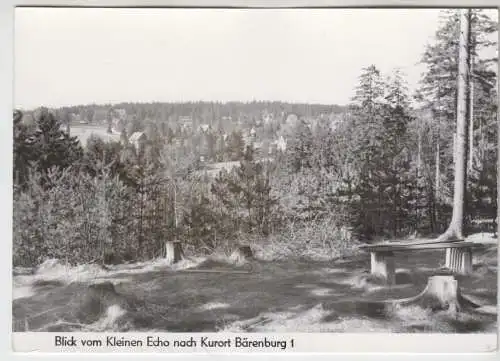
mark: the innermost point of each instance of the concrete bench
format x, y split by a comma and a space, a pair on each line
458, 256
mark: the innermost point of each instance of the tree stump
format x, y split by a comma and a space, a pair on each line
173, 252
242, 254
441, 294
382, 265
93, 301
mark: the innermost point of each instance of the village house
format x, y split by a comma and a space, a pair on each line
186, 123
292, 119
313, 123
187, 126
120, 113
249, 137
118, 125
267, 117
336, 119
119, 120
75, 118
281, 144
277, 145
138, 140
204, 128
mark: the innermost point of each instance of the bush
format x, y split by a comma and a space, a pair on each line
319, 240
111, 258
70, 216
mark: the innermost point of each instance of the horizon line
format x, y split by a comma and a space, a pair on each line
178, 102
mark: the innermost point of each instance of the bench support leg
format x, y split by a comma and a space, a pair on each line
459, 260
382, 264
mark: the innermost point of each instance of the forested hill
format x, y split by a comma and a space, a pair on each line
202, 112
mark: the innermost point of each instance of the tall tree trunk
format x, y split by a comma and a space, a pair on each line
455, 229
481, 143
471, 118
417, 188
419, 152
175, 206
438, 167
498, 178
437, 182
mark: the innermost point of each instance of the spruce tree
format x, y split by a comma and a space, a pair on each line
52, 146
23, 152
300, 148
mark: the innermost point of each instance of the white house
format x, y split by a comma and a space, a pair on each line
138, 140
292, 119
281, 144
121, 113
204, 128
267, 117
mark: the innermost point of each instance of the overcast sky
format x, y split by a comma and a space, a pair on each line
81, 56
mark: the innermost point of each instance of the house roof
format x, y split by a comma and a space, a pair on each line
204, 127
292, 118
120, 113
136, 136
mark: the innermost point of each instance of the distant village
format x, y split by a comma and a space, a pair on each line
266, 134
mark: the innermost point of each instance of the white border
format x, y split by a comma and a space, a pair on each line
6, 94
261, 3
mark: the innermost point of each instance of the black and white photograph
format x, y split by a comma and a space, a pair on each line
227, 170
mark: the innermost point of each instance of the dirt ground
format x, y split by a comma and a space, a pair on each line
291, 296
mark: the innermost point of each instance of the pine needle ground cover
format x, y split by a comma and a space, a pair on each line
274, 296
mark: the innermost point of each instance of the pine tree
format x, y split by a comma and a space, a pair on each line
23, 151
124, 137
439, 92
236, 146
200, 221
438, 85
370, 90
52, 146
300, 148
109, 121
397, 90
375, 171
245, 193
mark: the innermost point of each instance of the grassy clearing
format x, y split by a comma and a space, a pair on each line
279, 295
